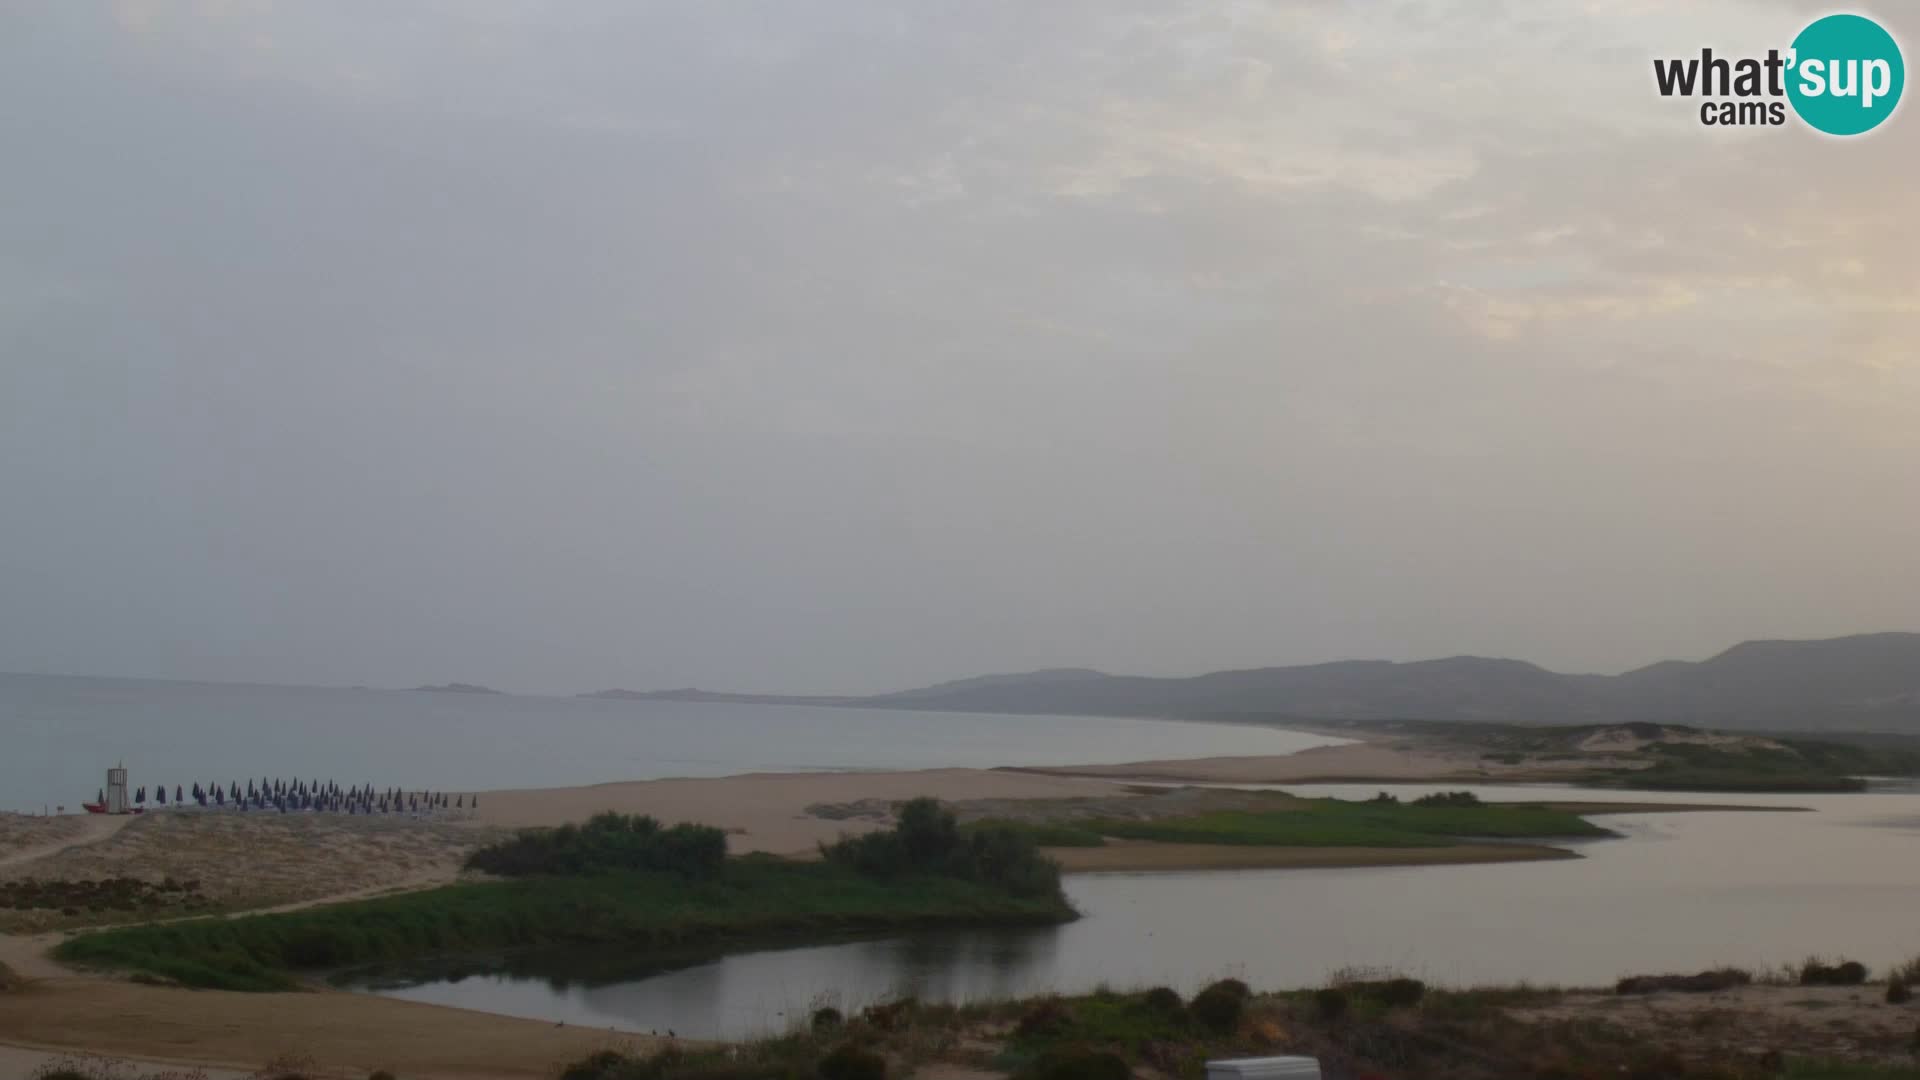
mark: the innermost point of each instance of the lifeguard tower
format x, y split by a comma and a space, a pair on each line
117, 790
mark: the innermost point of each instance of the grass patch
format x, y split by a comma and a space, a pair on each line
750, 899
1044, 834
1338, 823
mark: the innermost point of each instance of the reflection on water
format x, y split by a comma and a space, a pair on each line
1680, 891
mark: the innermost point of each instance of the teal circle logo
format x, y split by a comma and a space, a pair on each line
1847, 74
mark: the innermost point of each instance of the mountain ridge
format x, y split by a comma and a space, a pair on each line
1860, 682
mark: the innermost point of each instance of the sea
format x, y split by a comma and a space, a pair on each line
59, 734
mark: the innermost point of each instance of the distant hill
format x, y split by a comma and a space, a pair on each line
456, 688
692, 694
1865, 683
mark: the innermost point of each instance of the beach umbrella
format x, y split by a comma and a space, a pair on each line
459, 801
140, 796
162, 794
102, 800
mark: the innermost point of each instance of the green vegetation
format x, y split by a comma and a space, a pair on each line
607, 843
928, 841
1448, 798
1043, 833
1218, 1008
1817, 972
1693, 767
1336, 823
923, 873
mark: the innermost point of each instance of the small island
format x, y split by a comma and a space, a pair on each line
456, 688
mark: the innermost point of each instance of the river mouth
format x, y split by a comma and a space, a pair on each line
1677, 891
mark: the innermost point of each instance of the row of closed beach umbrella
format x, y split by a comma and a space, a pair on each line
290, 796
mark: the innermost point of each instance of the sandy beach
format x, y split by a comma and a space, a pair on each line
1375, 760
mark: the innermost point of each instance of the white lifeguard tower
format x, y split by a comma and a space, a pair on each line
117, 790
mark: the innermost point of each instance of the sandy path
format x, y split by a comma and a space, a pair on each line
75, 830
768, 811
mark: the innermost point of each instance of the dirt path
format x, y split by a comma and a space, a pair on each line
77, 831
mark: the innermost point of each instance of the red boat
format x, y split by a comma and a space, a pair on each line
101, 808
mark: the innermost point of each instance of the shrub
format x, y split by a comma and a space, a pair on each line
850, 1062
1164, 1000
1448, 798
1706, 982
1908, 972
1897, 993
1218, 1008
927, 839
1331, 1001
892, 1015
1385, 798
1232, 986
1077, 1064
607, 842
380, 1074
1047, 1018
1846, 973
826, 1020
1394, 993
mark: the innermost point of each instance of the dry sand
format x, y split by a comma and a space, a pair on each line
1376, 761
768, 811
344, 1034
1814, 1021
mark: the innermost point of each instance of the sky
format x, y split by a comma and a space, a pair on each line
844, 347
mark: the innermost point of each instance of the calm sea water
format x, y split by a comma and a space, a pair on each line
1682, 891
58, 735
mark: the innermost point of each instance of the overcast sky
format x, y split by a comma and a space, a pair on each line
849, 346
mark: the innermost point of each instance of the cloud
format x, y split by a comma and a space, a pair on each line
840, 346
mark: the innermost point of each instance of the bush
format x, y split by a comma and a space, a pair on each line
1232, 986
1047, 1018
1218, 1008
927, 839
850, 1062
1706, 982
1331, 1001
607, 842
1164, 1000
1077, 1064
892, 1015
827, 1019
1897, 993
1448, 798
1845, 973
380, 1074
1395, 993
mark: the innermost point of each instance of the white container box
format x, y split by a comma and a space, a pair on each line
1264, 1068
